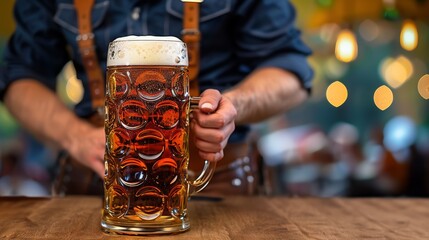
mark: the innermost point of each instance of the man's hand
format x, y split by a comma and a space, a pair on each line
55, 124
212, 124
88, 147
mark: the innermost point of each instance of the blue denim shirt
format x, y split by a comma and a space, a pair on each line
238, 36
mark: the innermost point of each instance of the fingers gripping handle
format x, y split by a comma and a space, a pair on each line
209, 167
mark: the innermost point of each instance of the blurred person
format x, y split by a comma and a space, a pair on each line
253, 65
15, 179
392, 165
401, 138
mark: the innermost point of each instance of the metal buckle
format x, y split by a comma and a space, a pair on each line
196, 1
100, 111
190, 31
84, 37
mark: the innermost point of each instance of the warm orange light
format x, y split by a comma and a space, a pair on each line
423, 86
336, 93
383, 97
73, 89
396, 71
346, 48
409, 36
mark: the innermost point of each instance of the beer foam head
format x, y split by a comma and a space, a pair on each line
147, 50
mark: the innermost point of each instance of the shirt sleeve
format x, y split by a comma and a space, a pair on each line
267, 37
37, 48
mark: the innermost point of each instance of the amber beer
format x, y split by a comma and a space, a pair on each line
147, 126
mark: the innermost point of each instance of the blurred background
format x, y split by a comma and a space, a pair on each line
364, 131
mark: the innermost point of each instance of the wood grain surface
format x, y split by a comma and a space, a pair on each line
232, 218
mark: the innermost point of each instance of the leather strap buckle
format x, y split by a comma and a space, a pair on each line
85, 37
190, 31
87, 50
195, 1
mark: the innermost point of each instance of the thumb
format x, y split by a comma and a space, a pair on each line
209, 101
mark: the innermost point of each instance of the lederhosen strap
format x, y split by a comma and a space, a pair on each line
87, 50
73, 177
236, 164
191, 36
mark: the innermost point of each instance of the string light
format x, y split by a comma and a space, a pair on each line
409, 37
346, 48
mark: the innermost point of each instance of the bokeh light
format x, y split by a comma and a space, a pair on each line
346, 48
423, 86
383, 97
336, 93
369, 30
396, 71
74, 89
399, 133
409, 35
69, 87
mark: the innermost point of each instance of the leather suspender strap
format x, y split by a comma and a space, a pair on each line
191, 36
85, 41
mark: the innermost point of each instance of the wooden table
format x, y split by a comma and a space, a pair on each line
232, 218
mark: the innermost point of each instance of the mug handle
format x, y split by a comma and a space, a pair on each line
206, 174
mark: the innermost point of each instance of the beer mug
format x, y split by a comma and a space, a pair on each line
146, 184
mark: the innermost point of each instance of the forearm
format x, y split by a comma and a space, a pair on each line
265, 93
42, 113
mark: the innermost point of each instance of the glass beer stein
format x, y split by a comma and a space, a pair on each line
146, 185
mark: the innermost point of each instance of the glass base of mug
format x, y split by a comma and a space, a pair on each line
153, 228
